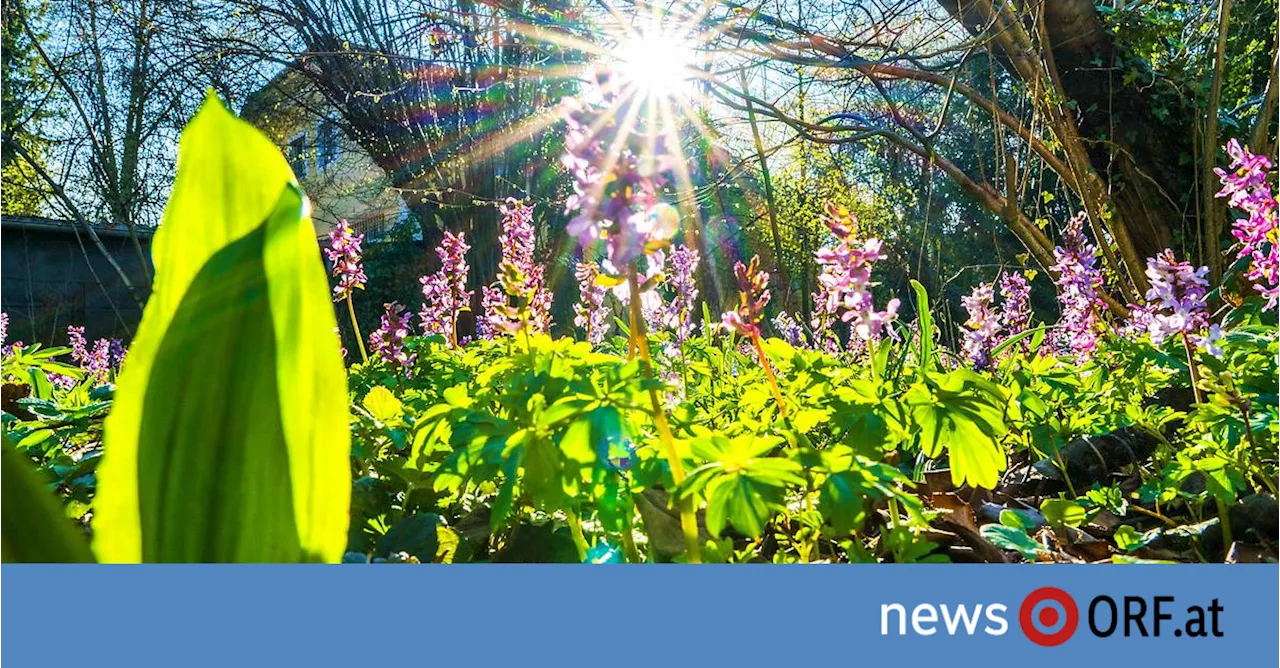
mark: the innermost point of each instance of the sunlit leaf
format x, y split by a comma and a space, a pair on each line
228, 440
383, 405
925, 321
956, 414
1063, 512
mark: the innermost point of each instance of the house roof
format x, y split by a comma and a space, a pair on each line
42, 224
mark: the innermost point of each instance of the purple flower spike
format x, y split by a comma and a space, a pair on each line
983, 324
519, 278
590, 313
616, 191
118, 352
95, 361
1248, 188
788, 329
1015, 315
753, 295
79, 347
845, 281
344, 254
1078, 282
680, 314
387, 342
444, 293
1176, 301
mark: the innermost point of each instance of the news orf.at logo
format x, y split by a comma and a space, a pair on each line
1049, 616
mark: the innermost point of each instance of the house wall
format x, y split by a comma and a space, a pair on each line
47, 284
339, 178
347, 186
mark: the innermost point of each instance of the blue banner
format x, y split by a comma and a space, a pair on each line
481, 615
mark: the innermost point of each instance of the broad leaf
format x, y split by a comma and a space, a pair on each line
228, 440
1009, 538
33, 528
956, 412
383, 405
1063, 512
1128, 539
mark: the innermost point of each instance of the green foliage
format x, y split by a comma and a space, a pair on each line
32, 526
22, 108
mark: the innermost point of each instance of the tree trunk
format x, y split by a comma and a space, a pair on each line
1131, 144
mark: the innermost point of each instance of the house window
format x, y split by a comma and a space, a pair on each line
326, 143
298, 155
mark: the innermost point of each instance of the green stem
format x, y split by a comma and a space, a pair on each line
871, 357
688, 519
351, 310
1153, 514
768, 372
629, 539
1191, 364
1224, 519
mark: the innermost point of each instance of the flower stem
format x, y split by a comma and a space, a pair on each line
1191, 364
633, 316
1154, 514
768, 372
351, 309
628, 539
1224, 519
688, 520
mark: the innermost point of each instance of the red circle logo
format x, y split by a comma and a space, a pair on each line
1049, 616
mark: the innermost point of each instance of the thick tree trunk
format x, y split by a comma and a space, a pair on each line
1124, 148
1136, 151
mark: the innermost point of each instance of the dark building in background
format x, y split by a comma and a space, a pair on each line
47, 279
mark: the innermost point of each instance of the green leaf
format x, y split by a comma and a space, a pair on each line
925, 320
418, 535
744, 502
229, 439
1015, 519
842, 499
806, 419
33, 528
594, 435
383, 405
1063, 512
35, 438
744, 487
1128, 539
1004, 345
1010, 538
458, 396
959, 414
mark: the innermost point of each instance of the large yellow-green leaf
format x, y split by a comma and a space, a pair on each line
960, 411
32, 526
228, 440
